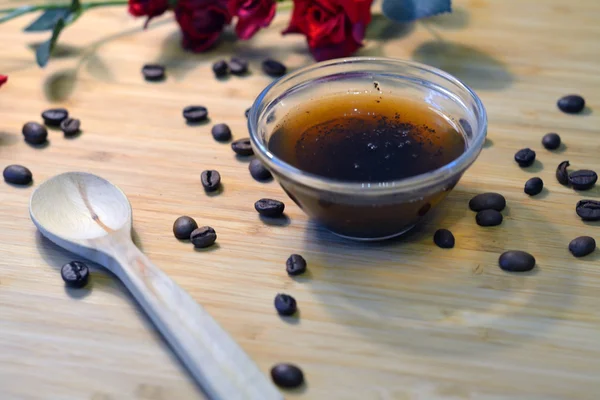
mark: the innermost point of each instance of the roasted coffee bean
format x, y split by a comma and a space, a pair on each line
70, 126
295, 265
17, 175
220, 68
221, 132
444, 238
588, 210
153, 72
183, 227
285, 304
211, 180
238, 66
534, 186
487, 201
287, 376
75, 274
551, 141
269, 207
516, 261
525, 157
488, 218
562, 175
35, 133
571, 104
273, 68
54, 116
259, 171
195, 113
247, 112
203, 237
582, 246
583, 179
242, 147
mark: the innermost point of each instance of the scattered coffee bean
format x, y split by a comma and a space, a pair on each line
54, 116
285, 304
582, 246
242, 147
35, 133
183, 227
516, 261
487, 201
221, 132
488, 218
551, 141
70, 126
220, 68
153, 72
17, 175
287, 376
295, 265
273, 68
75, 274
562, 175
534, 186
525, 157
444, 238
588, 210
259, 171
269, 207
247, 112
210, 179
583, 179
195, 113
571, 104
203, 237
238, 66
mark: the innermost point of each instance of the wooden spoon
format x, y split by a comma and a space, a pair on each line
91, 217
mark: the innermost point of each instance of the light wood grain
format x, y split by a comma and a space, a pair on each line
401, 320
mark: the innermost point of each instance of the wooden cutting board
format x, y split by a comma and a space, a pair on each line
396, 320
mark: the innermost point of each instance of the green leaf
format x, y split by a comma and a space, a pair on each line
75, 5
17, 12
42, 54
48, 20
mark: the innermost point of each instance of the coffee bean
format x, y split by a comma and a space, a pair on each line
183, 227
487, 201
220, 68
35, 133
75, 274
516, 261
273, 68
295, 265
571, 104
583, 179
287, 376
247, 112
54, 116
238, 66
210, 179
259, 171
153, 72
70, 126
242, 147
221, 132
203, 237
562, 175
488, 218
534, 186
285, 304
269, 207
17, 175
525, 157
444, 238
551, 141
588, 210
195, 113
582, 246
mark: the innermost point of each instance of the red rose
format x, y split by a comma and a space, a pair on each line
148, 8
3, 79
201, 22
252, 15
333, 28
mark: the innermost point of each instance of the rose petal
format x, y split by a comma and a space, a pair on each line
3, 79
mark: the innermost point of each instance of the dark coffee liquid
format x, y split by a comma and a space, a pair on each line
366, 138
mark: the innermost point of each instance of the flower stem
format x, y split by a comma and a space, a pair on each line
11, 13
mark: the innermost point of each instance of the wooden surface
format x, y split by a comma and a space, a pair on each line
400, 320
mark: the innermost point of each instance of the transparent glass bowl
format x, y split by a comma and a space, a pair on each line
369, 210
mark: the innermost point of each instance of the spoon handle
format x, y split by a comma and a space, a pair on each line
221, 368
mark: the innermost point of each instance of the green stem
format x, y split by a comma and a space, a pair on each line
18, 11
